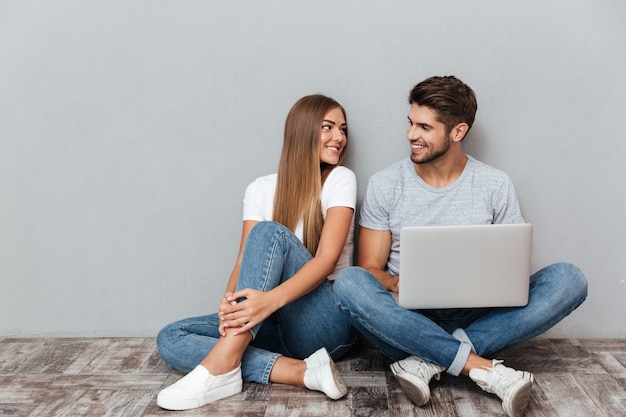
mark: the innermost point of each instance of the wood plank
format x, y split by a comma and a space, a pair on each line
567, 397
14, 352
442, 401
539, 405
15, 410
54, 403
121, 377
569, 349
604, 345
542, 348
121, 355
54, 356
256, 392
611, 363
365, 379
83, 363
470, 400
17, 386
605, 392
129, 403
369, 401
287, 402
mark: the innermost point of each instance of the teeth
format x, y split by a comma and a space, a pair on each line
333, 148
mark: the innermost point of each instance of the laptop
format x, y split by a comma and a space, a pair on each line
465, 266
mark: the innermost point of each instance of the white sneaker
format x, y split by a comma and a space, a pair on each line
513, 387
414, 375
199, 388
322, 375
317, 359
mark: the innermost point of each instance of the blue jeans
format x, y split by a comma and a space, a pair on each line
447, 336
272, 255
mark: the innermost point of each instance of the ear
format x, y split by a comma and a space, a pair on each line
458, 132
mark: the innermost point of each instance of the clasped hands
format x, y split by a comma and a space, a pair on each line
254, 307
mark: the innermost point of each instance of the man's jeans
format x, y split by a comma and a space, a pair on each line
272, 255
447, 336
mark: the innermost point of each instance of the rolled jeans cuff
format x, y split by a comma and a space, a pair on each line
460, 359
461, 336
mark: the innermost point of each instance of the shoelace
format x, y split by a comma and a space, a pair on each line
500, 379
423, 371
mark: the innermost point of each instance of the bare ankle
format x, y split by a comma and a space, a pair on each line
219, 367
288, 371
226, 354
475, 361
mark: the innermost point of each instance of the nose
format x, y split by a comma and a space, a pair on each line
338, 134
412, 132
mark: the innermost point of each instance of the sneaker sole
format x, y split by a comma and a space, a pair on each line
341, 386
178, 404
517, 397
417, 391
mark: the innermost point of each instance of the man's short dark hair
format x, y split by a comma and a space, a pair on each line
453, 100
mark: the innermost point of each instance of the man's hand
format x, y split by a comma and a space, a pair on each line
390, 282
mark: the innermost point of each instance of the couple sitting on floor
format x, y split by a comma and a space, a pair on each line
293, 303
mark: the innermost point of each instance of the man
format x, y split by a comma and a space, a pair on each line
440, 185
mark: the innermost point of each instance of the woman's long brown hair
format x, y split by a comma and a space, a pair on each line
301, 175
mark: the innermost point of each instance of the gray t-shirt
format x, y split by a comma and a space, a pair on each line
397, 197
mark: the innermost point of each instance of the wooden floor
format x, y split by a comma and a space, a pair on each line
122, 376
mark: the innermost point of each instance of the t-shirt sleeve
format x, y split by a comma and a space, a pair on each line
506, 205
339, 189
375, 210
253, 202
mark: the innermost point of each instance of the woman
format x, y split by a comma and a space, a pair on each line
278, 307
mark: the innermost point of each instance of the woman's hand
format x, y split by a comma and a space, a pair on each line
247, 313
224, 303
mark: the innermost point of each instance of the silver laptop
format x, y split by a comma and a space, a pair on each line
465, 266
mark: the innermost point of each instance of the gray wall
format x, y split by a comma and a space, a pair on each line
129, 131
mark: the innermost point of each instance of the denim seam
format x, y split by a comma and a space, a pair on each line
269, 366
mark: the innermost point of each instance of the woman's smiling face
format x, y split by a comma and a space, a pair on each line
333, 138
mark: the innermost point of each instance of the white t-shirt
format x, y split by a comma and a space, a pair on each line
339, 190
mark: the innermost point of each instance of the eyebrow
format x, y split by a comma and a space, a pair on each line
333, 123
419, 123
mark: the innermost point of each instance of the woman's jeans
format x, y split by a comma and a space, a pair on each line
447, 336
272, 255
